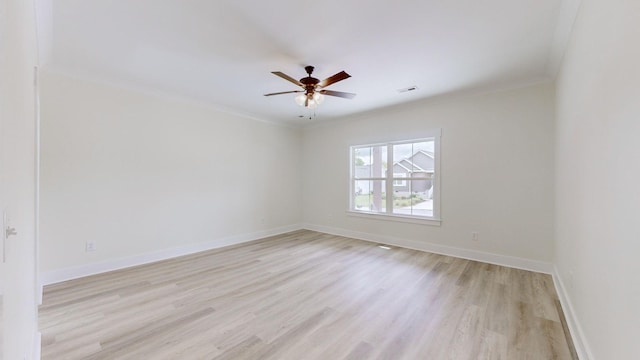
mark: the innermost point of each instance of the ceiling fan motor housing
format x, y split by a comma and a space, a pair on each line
309, 84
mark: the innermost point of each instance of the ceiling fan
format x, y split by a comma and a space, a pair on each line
313, 89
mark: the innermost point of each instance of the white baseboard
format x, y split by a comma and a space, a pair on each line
497, 259
579, 340
56, 276
40, 289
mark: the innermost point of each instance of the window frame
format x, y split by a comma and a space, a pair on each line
390, 180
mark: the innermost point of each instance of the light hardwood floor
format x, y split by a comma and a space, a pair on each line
306, 295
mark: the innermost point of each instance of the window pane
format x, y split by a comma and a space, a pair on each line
398, 180
413, 157
416, 200
369, 195
370, 161
414, 162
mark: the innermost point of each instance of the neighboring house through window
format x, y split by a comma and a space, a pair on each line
399, 180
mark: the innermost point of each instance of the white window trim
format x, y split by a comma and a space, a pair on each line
436, 134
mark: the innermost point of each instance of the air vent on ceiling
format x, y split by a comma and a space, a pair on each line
407, 89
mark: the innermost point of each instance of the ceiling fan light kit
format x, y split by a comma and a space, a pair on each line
310, 100
313, 89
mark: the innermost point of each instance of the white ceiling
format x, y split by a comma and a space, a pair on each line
222, 51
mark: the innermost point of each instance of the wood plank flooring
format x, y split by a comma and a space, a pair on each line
306, 295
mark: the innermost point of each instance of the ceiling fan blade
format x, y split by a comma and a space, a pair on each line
333, 79
284, 92
287, 77
341, 94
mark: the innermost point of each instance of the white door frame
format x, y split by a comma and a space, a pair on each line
18, 180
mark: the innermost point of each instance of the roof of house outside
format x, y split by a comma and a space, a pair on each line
410, 166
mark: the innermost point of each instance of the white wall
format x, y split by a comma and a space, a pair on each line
18, 57
141, 174
598, 167
497, 174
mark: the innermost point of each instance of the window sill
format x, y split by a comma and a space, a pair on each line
396, 218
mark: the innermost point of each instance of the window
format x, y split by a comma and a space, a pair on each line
398, 180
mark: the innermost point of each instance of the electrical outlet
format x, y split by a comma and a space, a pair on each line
475, 236
90, 246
